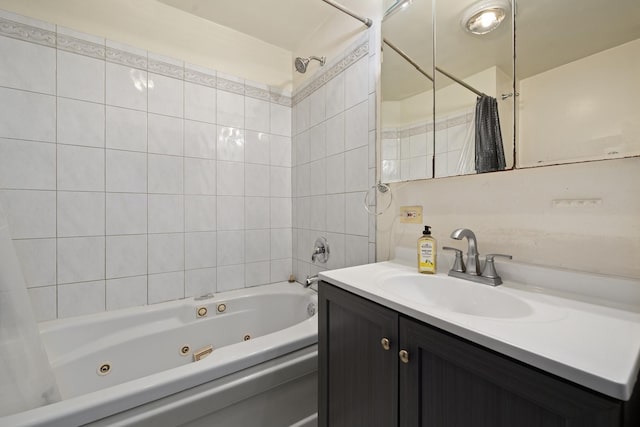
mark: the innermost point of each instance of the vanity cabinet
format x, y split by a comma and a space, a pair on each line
441, 381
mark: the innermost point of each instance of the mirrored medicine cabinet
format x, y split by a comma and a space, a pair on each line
565, 77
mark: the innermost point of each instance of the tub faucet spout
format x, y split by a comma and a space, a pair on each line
473, 262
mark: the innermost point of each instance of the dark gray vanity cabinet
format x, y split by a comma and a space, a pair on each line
441, 381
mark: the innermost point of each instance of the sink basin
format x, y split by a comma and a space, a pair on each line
455, 295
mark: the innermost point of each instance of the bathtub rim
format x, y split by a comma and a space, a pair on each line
100, 404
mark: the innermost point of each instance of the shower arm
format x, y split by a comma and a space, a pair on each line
366, 21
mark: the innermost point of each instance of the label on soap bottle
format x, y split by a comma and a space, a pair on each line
426, 256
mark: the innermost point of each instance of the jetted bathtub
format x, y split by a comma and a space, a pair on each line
245, 357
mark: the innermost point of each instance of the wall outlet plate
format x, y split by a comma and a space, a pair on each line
411, 214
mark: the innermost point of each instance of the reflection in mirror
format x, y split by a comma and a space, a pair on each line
407, 93
578, 68
473, 133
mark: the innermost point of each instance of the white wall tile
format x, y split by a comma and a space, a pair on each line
256, 210
336, 212
257, 245
81, 123
81, 214
80, 77
165, 135
233, 244
126, 171
230, 277
257, 180
31, 66
302, 116
126, 213
337, 259
200, 213
126, 87
317, 106
81, 259
357, 169
44, 302
27, 115
165, 287
357, 221
200, 139
166, 213
257, 273
76, 299
166, 95
336, 174
356, 83
280, 117
318, 213
31, 214
257, 147
199, 103
256, 114
200, 282
335, 134
418, 167
356, 126
27, 165
166, 174
126, 292
166, 252
280, 212
301, 148
281, 243
80, 168
280, 181
230, 109
281, 269
318, 177
38, 261
317, 142
230, 213
334, 94
230, 145
126, 129
280, 151
126, 256
200, 250
230, 178
357, 250
199, 176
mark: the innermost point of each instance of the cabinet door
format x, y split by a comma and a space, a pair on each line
450, 382
358, 377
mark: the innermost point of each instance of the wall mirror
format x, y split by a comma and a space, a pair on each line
578, 76
428, 121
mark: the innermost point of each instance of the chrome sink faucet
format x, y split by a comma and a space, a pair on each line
472, 270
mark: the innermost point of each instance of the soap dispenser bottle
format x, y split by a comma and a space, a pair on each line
427, 252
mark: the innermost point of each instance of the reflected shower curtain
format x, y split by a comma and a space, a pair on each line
489, 148
26, 378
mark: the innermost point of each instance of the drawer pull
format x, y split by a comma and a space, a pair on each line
386, 344
404, 356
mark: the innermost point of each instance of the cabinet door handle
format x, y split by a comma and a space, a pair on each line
386, 344
404, 356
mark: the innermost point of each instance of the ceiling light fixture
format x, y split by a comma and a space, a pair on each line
484, 16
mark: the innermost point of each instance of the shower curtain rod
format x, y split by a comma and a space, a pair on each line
438, 69
366, 21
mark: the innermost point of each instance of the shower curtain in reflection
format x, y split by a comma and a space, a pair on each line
489, 148
26, 378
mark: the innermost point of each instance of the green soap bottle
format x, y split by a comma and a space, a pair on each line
427, 252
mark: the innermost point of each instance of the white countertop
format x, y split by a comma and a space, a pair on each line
584, 338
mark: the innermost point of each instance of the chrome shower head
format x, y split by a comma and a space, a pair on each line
302, 63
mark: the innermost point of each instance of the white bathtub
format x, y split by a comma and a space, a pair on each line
264, 355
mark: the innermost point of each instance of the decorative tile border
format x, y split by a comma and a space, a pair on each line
17, 30
81, 47
424, 127
20, 31
359, 52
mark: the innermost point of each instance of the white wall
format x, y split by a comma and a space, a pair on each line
132, 178
583, 110
533, 214
160, 28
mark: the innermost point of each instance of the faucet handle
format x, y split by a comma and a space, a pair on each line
489, 269
458, 264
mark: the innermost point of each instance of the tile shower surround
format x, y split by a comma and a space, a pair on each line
130, 178
334, 125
